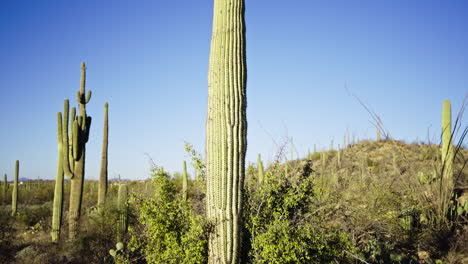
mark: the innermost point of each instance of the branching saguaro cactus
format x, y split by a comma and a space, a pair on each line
74, 156
14, 194
123, 214
58, 194
261, 173
185, 182
226, 130
102, 192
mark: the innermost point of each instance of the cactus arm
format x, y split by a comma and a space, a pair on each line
87, 129
75, 140
67, 162
88, 97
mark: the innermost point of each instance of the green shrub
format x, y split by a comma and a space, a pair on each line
280, 224
167, 230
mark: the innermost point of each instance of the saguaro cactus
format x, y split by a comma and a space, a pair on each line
74, 156
122, 207
102, 192
226, 130
58, 194
261, 173
447, 147
14, 194
185, 182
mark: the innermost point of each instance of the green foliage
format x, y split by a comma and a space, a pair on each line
168, 231
123, 212
197, 161
279, 222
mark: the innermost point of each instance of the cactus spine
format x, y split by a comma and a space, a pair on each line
103, 176
226, 130
74, 156
122, 207
14, 194
185, 182
58, 194
261, 173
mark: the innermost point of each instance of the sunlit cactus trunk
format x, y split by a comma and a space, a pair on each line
14, 194
226, 130
58, 194
74, 156
447, 155
447, 147
102, 192
260, 171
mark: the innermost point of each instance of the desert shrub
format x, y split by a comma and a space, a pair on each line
97, 236
36, 217
7, 235
168, 231
280, 223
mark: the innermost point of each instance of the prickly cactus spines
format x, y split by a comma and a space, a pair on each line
123, 214
184, 182
58, 194
226, 130
14, 194
103, 175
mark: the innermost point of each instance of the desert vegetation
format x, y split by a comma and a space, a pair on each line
365, 201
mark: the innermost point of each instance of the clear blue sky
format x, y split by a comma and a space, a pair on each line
149, 60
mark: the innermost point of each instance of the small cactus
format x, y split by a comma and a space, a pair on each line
261, 173
118, 249
14, 194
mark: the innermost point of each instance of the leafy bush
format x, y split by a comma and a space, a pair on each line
167, 231
280, 225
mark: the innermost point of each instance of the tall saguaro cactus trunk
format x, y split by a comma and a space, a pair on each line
58, 194
102, 192
226, 130
74, 155
14, 194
